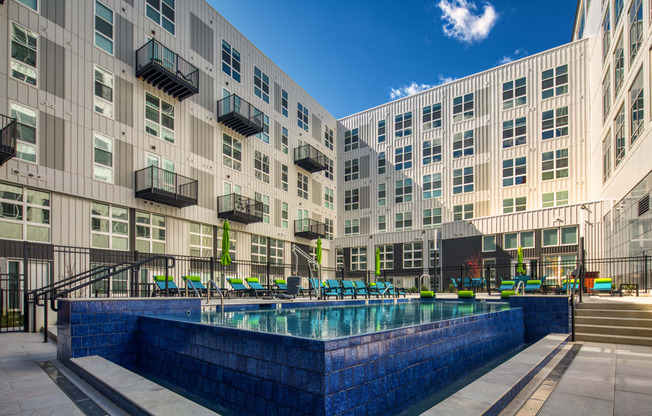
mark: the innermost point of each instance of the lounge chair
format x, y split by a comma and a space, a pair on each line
466, 295
281, 285
569, 284
160, 286
506, 285
533, 286
256, 287
360, 288
332, 288
383, 288
602, 285
348, 288
315, 286
238, 287
194, 284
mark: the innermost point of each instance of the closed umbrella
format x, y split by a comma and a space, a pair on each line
318, 254
377, 271
520, 270
226, 245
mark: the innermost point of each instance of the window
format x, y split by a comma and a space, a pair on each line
620, 135
432, 186
382, 131
554, 164
351, 140
515, 171
285, 108
258, 249
351, 199
232, 244
230, 61
32, 4
162, 12
150, 233
103, 27
403, 221
284, 215
403, 158
328, 138
431, 117
329, 198
619, 66
261, 166
23, 54
109, 226
302, 185
412, 255
339, 258
514, 132
403, 125
463, 180
463, 144
618, 10
26, 132
328, 232
386, 256
231, 152
550, 237
103, 92
606, 96
382, 223
463, 108
351, 227
510, 241
302, 117
382, 194
462, 212
275, 251
261, 84
552, 199
488, 243
568, 235
201, 240
159, 118
351, 170
328, 172
382, 162
606, 157
403, 191
526, 239
606, 35
265, 200
431, 151
431, 217
264, 135
358, 258
517, 204
635, 28
284, 140
554, 82
103, 158
514, 93
636, 106
554, 123
24, 214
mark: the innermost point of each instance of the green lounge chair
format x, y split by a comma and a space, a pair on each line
532, 286
571, 284
256, 287
160, 286
281, 285
506, 285
238, 287
602, 285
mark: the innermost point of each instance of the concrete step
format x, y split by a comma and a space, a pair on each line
616, 305
614, 339
610, 321
614, 313
628, 331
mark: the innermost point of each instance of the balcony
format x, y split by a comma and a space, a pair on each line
162, 186
239, 115
167, 71
310, 229
309, 158
239, 208
8, 135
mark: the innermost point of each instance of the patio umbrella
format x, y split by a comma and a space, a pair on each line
377, 271
520, 270
226, 245
318, 254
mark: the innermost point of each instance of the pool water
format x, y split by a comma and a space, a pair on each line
332, 322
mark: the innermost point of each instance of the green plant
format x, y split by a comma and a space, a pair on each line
11, 318
451, 288
413, 289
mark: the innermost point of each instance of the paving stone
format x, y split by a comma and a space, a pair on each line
568, 404
628, 403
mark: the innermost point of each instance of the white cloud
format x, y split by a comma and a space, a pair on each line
518, 54
414, 88
464, 22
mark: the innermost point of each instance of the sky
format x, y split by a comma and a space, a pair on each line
354, 55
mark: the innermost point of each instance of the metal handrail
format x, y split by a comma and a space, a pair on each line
156, 53
208, 298
72, 279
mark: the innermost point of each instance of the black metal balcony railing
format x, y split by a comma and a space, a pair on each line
8, 136
159, 185
239, 208
310, 229
309, 158
166, 70
239, 115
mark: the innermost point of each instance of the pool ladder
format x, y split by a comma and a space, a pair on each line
520, 286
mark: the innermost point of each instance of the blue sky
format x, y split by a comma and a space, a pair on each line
357, 54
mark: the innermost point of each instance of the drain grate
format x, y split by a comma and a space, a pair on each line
81, 400
536, 401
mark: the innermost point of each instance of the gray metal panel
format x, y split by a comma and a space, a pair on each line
277, 210
483, 176
52, 144
201, 38
365, 136
52, 71
124, 157
54, 11
316, 192
364, 167
206, 197
277, 135
365, 200
124, 40
482, 100
482, 139
130, 2
202, 141
277, 177
277, 97
124, 101
364, 226
481, 208
316, 127
206, 98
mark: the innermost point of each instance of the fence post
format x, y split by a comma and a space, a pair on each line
267, 272
134, 278
488, 280
462, 277
26, 288
645, 276
166, 276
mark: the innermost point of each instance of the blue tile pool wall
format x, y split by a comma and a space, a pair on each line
107, 327
543, 315
256, 373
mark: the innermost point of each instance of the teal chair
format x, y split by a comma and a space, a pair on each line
602, 285
332, 288
348, 288
532, 286
238, 287
360, 288
256, 287
160, 286
506, 285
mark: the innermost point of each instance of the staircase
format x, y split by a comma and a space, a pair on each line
614, 322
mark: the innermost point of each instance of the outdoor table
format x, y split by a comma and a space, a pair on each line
631, 285
546, 287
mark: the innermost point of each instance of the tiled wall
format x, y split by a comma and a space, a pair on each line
266, 374
107, 327
543, 315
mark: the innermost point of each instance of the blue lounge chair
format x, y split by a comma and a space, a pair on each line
569, 284
332, 288
315, 286
383, 288
506, 285
532, 286
602, 285
281, 285
194, 284
238, 287
348, 288
360, 288
160, 286
256, 287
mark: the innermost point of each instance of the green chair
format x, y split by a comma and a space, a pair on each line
532, 286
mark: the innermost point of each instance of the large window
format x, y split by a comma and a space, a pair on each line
358, 258
403, 221
302, 185
514, 132
201, 240
285, 178
382, 131
150, 233
329, 198
284, 140
606, 34
462, 212
382, 223
403, 191
515, 171
103, 158
463, 108
285, 213
258, 249
488, 243
524, 239
285, 108
328, 172
231, 152
351, 170
517, 204
552, 199
463, 180
554, 123
606, 96
382, 194
329, 229
351, 227
302, 117
618, 11
554, 82
162, 12
109, 226
103, 27
403, 125
431, 217
432, 186
619, 65
606, 157
24, 214
275, 251
403, 158
26, 129
620, 135
463, 144
24, 50
635, 28
351, 199
261, 166
559, 236
351, 140
328, 138
32, 4
264, 135
386, 256
382, 163
554, 164
261, 84
514, 93
636, 107
412, 255
265, 200
431, 151
230, 61
103, 92
431, 117
159, 118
